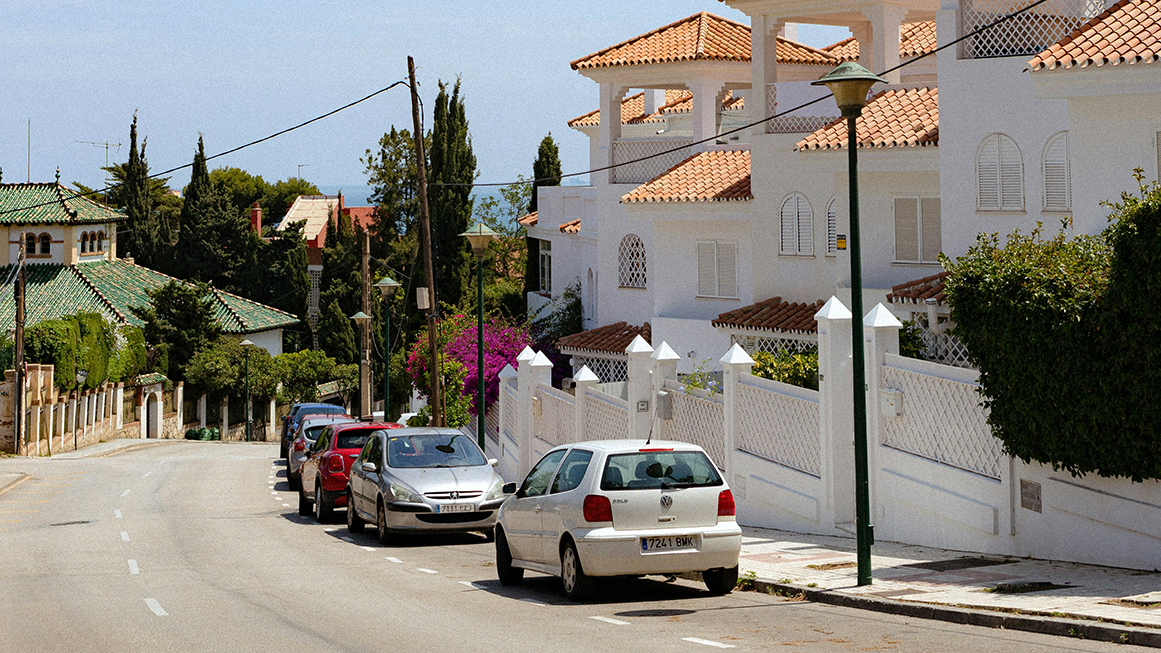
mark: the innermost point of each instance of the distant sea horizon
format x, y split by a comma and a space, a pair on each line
360, 195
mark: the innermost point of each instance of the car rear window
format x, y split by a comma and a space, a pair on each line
311, 432
645, 470
435, 450
354, 438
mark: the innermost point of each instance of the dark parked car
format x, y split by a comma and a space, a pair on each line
300, 446
297, 412
326, 470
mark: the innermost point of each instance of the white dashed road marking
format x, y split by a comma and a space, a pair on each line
475, 586
395, 560
276, 492
347, 539
156, 607
707, 642
534, 602
427, 571
608, 620
148, 473
367, 548
287, 505
125, 493
133, 567
117, 513
125, 534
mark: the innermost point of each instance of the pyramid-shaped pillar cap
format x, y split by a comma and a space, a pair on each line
736, 356
882, 317
525, 355
508, 372
638, 346
833, 309
540, 360
585, 375
665, 353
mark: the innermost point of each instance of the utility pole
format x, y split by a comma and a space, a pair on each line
18, 358
365, 333
429, 267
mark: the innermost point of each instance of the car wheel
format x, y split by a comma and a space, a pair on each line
282, 450
304, 506
720, 581
508, 574
577, 585
322, 512
381, 524
355, 523
293, 482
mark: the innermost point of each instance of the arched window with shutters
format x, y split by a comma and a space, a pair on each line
631, 262
29, 244
84, 242
1057, 174
797, 224
999, 175
100, 241
831, 228
45, 244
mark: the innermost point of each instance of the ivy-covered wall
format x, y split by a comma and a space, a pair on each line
86, 341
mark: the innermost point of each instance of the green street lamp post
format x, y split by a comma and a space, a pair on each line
246, 347
387, 287
361, 319
850, 84
479, 236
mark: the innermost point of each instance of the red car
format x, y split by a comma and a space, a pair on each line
327, 467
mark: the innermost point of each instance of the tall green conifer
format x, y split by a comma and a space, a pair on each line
452, 162
545, 172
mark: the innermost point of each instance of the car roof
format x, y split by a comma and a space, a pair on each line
369, 425
631, 446
425, 430
326, 419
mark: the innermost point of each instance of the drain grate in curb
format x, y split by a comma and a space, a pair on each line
955, 564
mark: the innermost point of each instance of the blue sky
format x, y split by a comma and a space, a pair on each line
238, 71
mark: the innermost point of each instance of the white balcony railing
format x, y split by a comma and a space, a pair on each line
1027, 34
640, 172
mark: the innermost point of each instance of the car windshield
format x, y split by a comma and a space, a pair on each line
645, 470
354, 438
434, 450
311, 432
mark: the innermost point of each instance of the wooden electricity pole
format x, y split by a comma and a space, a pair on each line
429, 267
365, 384
18, 358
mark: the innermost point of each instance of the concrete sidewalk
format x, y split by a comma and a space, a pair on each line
1056, 597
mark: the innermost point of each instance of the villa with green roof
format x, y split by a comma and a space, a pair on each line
70, 243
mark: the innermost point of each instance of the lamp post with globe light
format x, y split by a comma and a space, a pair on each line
479, 236
361, 319
246, 347
386, 287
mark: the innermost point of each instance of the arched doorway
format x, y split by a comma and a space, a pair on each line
152, 416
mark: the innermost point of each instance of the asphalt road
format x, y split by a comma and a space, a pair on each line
191, 546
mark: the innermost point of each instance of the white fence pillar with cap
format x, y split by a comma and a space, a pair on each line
735, 363
640, 389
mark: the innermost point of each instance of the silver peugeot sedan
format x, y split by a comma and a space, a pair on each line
423, 480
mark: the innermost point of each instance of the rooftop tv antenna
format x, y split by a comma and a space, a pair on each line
106, 145
300, 167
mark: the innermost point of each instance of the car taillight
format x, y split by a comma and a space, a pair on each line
335, 464
299, 446
597, 508
725, 504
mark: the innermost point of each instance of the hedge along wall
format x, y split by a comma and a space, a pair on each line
89, 342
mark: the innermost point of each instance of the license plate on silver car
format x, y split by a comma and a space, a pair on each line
668, 543
455, 507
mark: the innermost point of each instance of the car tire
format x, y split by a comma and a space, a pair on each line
355, 523
304, 506
577, 585
322, 512
381, 524
508, 574
720, 581
293, 482
282, 450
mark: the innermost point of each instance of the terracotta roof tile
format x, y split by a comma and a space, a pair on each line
894, 118
773, 315
702, 36
1127, 32
572, 227
530, 220
609, 338
791, 52
917, 291
633, 109
717, 176
914, 39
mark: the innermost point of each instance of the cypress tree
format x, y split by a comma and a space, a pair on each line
452, 162
213, 237
545, 172
140, 235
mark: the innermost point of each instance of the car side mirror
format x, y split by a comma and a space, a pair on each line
370, 467
493, 462
509, 488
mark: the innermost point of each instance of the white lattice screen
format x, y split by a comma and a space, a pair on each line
1026, 34
608, 370
557, 423
943, 421
606, 418
793, 124
643, 171
780, 427
755, 344
697, 420
511, 397
632, 266
943, 348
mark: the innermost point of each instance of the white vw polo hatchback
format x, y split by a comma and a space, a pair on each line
620, 508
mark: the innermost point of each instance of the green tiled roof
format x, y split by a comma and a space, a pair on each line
111, 288
51, 203
149, 379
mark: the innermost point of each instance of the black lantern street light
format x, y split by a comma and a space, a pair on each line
82, 376
247, 346
479, 236
850, 84
387, 287
360, 320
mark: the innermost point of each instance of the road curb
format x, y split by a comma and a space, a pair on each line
9, 484
1059, 626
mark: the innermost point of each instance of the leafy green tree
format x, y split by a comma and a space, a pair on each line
301, 373
452, 162
240, 188
545, 172
214, 236
219, 369
278, 197
180, 317
337, 335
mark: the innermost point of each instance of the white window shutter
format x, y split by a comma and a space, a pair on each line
988, 174
931, 230
1057, 194
789, 220
906, 229
831, 228
707, 283
1011, 175
727, 270
805, 227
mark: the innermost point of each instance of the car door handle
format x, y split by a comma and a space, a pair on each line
667, 519
536, 509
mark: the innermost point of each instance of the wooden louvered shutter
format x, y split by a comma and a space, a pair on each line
1057, 194
805, 227
988, 175
831, 228
707, 283
931, 231
789, 222
1011, 175
906, 229
727, 270
1158, 143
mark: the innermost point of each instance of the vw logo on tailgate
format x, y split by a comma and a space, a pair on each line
666, 501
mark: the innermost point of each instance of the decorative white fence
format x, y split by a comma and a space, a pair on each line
1027, 34
780, 423
698, 418
606, 417
556, 424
